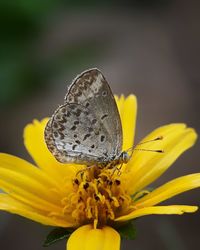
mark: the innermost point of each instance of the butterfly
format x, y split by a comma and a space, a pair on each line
87, 128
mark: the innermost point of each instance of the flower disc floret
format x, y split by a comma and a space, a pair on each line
97, 197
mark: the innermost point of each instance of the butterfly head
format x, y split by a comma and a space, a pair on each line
124, 157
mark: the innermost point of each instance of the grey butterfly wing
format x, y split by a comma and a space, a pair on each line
91, 90
87, 128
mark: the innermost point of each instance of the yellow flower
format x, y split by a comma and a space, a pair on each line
95, 201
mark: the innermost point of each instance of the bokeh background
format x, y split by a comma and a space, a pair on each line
150, 48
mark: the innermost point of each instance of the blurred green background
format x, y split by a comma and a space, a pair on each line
149, 48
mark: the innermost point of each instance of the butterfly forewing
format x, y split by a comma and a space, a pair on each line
91, 90
87, 128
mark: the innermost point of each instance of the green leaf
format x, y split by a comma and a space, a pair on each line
127, 231
56, 235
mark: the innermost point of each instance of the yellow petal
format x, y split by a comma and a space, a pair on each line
128, 112
19, 165
173, 209
36, 146
88, 238
120, 103
27, 183
11, 205
170, 189
145, 167
129, 121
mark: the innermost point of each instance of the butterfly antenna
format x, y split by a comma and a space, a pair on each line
143, 149
159, 138
150, 150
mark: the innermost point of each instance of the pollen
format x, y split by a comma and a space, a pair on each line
98, 197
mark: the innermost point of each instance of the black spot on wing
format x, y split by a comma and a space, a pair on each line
94, 121
86, 136
102, 138
63, 110
73, 128
55, 134
87, 104
104, 116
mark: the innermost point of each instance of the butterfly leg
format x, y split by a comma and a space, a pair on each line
94, 167
118, 169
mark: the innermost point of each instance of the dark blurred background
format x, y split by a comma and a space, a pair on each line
149, 48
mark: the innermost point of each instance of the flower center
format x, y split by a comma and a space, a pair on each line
98, 197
